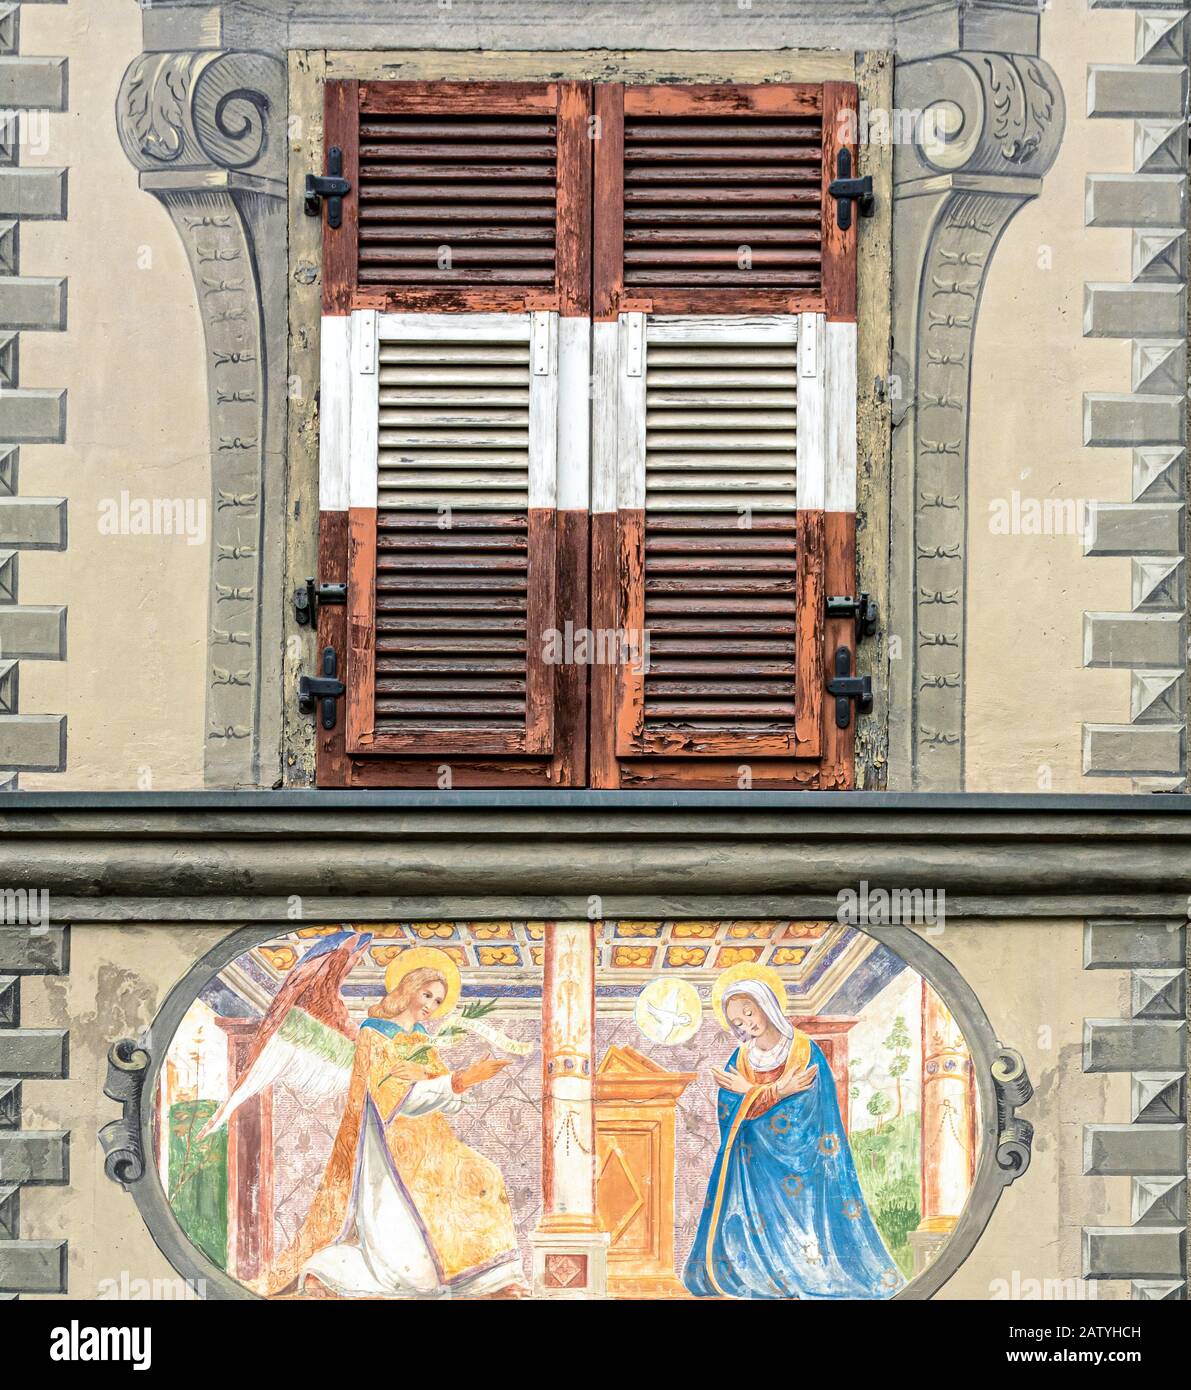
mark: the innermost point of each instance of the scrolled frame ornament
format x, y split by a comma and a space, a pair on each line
122, 1139
190, 109
1015, 1135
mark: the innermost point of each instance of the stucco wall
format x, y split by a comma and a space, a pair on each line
1027, 689
139, 667
132, 363
119, 977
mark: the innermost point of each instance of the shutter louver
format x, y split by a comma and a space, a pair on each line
712, 200
451, 602
466, 197
453, 200
453, 569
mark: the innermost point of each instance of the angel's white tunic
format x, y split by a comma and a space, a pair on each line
383, 1251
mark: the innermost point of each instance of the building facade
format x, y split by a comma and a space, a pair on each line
607, 498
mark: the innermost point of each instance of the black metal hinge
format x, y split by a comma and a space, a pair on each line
862, 610
332, 186
846, 190
846, 687
323, 690
308, 599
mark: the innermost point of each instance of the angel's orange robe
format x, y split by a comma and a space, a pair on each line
459, 1195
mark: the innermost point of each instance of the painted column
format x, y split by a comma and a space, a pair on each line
205, 129
249, 1164
569, 1248
948, 1127
990, 127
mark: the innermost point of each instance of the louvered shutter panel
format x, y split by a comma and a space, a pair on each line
713, 199
724, 434
466, 196
719, 566
452, 536
455, 300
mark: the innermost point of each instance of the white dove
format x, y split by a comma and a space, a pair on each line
669, 1014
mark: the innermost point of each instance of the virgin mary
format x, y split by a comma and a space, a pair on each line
784, 1215
405, 1209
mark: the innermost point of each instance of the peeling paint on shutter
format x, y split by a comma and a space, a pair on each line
453, 555
466, 197
713, 199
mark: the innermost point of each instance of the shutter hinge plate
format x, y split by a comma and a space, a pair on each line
332, 186
322, 690
848, 191
540, 348
846, 687
308, 598
634, 344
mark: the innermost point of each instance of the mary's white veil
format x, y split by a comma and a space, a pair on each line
761, 994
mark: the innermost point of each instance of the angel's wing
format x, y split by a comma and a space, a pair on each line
309, 1055
306, 1036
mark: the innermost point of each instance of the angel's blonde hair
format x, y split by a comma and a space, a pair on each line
398, 1000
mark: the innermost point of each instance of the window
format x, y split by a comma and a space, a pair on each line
587, 435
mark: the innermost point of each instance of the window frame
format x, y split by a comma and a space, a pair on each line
587, 763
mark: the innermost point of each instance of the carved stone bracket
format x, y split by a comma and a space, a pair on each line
1014, 1135
988, 128
124, 1155
207, 131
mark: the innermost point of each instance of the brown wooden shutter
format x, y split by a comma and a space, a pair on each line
466, 196
727, 442
711, 199
465, 237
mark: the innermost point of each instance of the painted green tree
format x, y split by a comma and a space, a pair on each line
878, 1107
887, 1155
899, 1043
198, 1177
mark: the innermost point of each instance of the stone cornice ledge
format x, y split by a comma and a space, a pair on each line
314, 856
915, 28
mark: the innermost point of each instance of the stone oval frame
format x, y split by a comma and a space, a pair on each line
1001, 1080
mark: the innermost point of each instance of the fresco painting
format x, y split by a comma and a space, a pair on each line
369, 1113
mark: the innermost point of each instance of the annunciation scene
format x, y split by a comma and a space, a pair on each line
773, 1109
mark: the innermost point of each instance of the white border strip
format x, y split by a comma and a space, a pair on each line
841, 417
543, 425
365, 378
716, 328
812, 413
492, 328
630, 422
334, 417
605, 394
574, 414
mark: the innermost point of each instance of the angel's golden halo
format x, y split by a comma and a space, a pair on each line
431, 958
746, 970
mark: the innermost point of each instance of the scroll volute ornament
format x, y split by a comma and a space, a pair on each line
981, 113
204, 109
